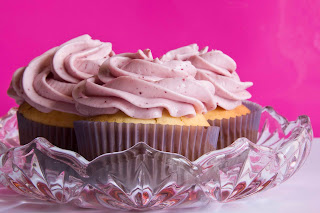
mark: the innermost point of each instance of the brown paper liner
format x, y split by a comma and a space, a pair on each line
95, 138
240, 126
62, 137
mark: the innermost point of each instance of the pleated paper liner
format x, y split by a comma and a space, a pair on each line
62, 137
95, 138
240, 126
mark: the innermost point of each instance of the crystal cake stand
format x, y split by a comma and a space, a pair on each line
142, 178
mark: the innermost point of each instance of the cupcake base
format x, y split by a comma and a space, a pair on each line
62, 137
239, 126
93, 138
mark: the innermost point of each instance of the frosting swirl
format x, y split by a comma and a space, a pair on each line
183, 53
48, 81
14, 90
142, 65
142, 87
84, 76
217, 68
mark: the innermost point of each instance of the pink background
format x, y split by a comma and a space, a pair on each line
276, 44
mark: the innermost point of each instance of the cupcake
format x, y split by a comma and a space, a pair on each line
43, 89
83, 97
235, 116
137, 98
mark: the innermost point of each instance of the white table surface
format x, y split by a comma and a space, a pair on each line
301, 193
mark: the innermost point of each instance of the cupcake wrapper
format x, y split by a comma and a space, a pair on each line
240, 126
96, 138
59, 136
92, 139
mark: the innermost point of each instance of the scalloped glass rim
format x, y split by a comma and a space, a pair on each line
143, 178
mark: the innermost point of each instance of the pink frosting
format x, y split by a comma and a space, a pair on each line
183, 53
142, 65
84, 76
15, 90
48, 81
142, 87
217, 68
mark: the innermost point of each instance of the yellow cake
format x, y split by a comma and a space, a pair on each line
63, 119
220, 113
53, 118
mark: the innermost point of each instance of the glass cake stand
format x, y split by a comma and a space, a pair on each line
142, 178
